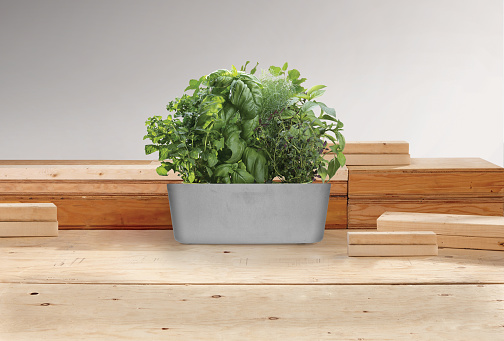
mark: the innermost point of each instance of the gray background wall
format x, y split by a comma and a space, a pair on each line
79, 78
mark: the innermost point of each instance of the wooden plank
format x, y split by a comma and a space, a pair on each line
476, 243
114, 171
392, 238
135, 211
244, 312
392, 250
76, 162
28, 212
454, 184
107, 187
81, 172
154, 257
377, 159
84, 187
337, 213
106, 211
375, 147
362, 213
445, 224
374, 159
423, 182
433, 165
28, 228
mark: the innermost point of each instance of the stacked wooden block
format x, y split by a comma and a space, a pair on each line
117, 194
28, 220
443, 185
453, 231
382, 153
392, 244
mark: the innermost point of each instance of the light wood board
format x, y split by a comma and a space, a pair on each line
427, 184
392, 238
375, 147
477, 243
28, 228
97, 171
362, 213
28, 212
434, 165
444, 224
374, 159
245, 312
136, 211
107, 187
120, 285
142, 257
392, 250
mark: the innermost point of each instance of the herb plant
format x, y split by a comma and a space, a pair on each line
237, 128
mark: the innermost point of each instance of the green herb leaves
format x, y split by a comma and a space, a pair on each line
236, 128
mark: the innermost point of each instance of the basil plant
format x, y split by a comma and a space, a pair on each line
240, 128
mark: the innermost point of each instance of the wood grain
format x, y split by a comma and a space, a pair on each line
76, 162
362, 213
377, 159
28, 228
106, 211
392, 250
337, 213
391, 238
97, 171
84, 187
444, 224
433, 165
154, 257
373, 159
28, 212
135, 211
476, 243
375, 147
245, 312
108, 187
427, 184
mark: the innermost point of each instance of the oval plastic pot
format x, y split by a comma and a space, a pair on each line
248, 213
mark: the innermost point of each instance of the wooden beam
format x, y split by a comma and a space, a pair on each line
475, 243
444, 224
28, 228
28, 212
374, 159
392, 250
392, 238
428, 178
363, 212
376, 147
97, 171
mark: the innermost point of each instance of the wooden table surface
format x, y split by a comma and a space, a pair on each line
143, 285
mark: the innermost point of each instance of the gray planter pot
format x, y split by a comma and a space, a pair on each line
248, 213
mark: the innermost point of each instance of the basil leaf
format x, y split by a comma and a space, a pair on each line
255, 162
241, 176
236, 145
246, 95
